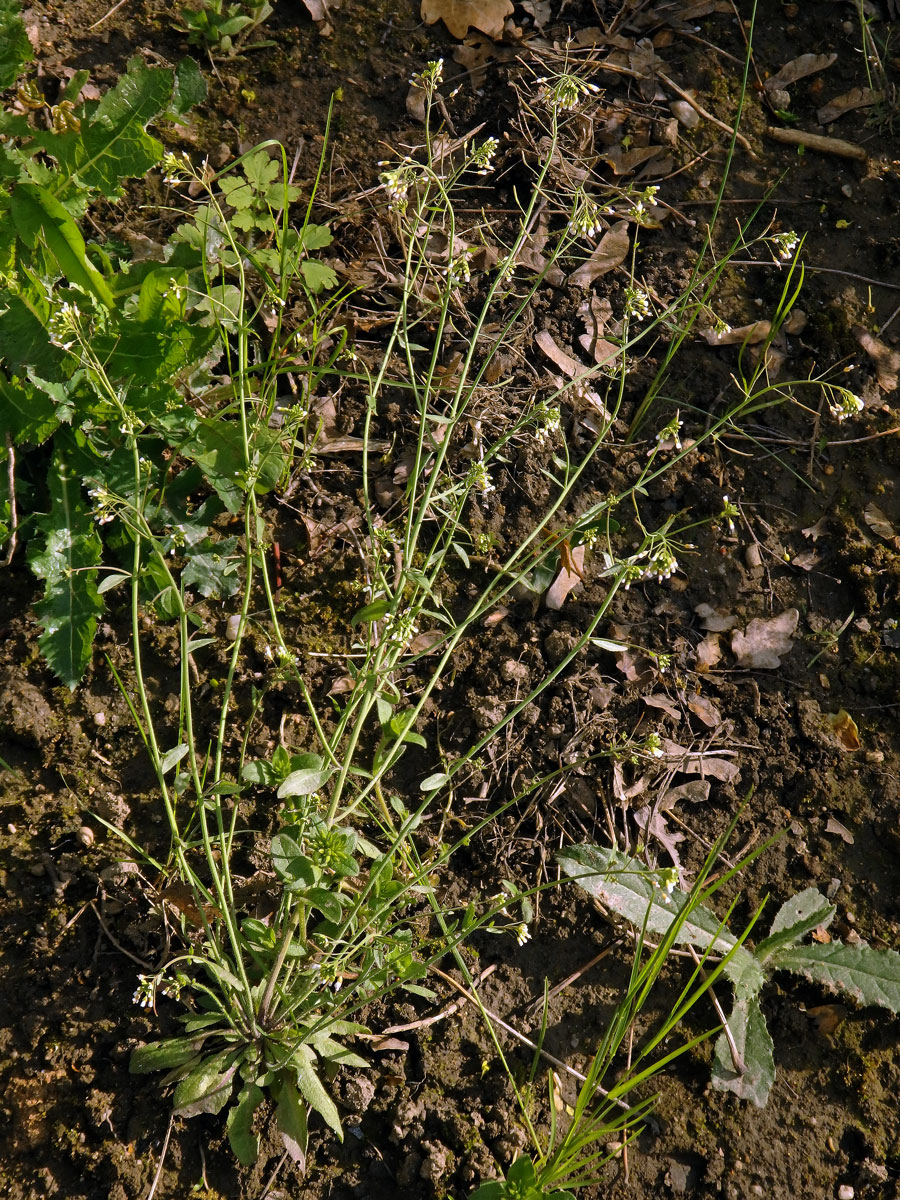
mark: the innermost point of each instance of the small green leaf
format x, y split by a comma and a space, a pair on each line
794, 920
371, 612
317, 276
290, 863
15, 48
243, 1141
111, 581
303, 782
172, 758
37, 213
433, 782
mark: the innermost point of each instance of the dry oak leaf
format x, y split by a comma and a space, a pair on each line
462, 15
765, 641
571, 573
611, 252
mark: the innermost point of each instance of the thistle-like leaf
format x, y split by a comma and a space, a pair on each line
71, 604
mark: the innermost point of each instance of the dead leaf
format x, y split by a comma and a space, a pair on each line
475, 53
798, 68
758, 331
844, 729
341, 686
495, 617
832, 825
636, 668
611, 252
827, 1017
806, 560
816, 531
596, 313
626, 162
887, 361
714, 620
695, 791
705, 710
567, 364
569, 576
765, 641
878, 521
861, 97
708, 653
821, 935
653, 823
659, 700
415, 102
539, 11
462, 15
425, 642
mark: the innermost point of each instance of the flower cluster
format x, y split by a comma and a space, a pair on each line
458, 270
659, 564
64, 325
729, 512
637, 303
478, 477
547, 420
566, 92
397, 184
178, 168
104, 505
430, 77
640, 211
585, 218
669, 435
482, 160
843, 404
145, 992
784, 244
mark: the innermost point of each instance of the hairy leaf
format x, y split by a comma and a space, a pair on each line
794, 920
754, 1044
626, 886
869, 976
207, 1088
290, 1117
211, 569
162, 1056
71, 604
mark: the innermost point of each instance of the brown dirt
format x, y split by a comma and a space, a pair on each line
440, 1116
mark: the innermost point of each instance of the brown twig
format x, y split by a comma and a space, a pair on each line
115, 8
447, 1011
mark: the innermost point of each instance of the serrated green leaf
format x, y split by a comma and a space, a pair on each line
290, 1117
71, 604
867, 975
15, 48
189, 88
315, 237
243, 1141
797, 917
312, 1090
754, 1044
38, 214
114, 142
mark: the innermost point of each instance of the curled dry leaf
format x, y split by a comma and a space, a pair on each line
827, 1017
695, 790
798, 68
758, 331
832, 825
816, 531
596, 313
659, 700
887, 361
765, 641
706, 765
425, 642
611, 252
571, 573
878, 521
462, 15
806, 560
844, 729
495, 617
651, 821
861, 97
708, 653
705, 710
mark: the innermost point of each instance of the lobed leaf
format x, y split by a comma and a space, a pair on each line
15, 48
754, 1044
797, 917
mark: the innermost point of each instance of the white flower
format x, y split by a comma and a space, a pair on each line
843, 404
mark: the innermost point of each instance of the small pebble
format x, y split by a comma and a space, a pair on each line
99, 718
752, 557
233, 627
845, 1192
686, 114
85, 835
